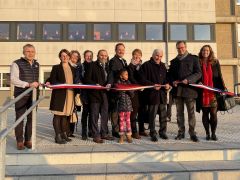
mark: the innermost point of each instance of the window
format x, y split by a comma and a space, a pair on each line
25, 31
178, 32
102, 32
238, 2
51, 32
127, 32
154, 32
77, 32
202, 32
4, 80
4, 31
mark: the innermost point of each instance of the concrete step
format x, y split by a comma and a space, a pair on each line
199, 170
123, 154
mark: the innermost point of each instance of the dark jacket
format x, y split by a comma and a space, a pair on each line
58, 95
115, 65
217, 83
134, 78
187, 68
124, 98
152, 73
95, 75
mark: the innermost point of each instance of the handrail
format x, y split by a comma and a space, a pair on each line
6, 131
4, 108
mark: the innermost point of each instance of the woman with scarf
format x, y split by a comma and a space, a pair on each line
207, 100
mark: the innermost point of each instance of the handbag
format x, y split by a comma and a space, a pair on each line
225, 102
77, 99
74, 117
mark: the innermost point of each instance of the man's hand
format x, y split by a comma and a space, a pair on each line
175, 83
34, 84
167, 86
157, 86
108, 86
185, 81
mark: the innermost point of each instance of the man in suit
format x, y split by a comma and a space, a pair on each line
183, 70
97, 74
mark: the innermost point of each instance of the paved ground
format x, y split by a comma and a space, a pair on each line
228, 133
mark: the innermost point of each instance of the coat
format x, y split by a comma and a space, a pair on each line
58, 96
124, 99
95, 75
217, 83
152, 73
187, 68
115, 65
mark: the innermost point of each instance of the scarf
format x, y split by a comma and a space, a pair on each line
208, 96
182, 56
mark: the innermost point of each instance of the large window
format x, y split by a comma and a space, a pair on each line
77, 32
102, 32
202, 32
4, 80
127, 32
238, 2
154, 32
178, 32
4, 31
51, 32
26, 31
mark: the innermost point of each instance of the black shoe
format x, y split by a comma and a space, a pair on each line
84, 138
71, 135
90, 135
64, 136
180, 136
214, 137
194, 138
207, 137
163, 136
116, 135
154, 138
59, 139
108, 137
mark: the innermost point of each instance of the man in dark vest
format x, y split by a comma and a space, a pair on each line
24, 74
185, 69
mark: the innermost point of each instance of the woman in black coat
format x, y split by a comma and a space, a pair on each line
207, 100
62, 100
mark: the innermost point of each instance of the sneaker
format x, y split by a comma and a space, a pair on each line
194, 138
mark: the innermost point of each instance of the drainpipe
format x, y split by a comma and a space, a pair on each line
166, 32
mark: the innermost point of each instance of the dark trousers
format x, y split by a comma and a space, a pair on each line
20, 108
212, 120
133, 119
86, 120
180, 101
152, 112
142, 117
101, 108
169, 110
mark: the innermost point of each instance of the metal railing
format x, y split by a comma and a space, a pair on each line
4, 131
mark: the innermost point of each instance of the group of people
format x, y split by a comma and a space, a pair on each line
123, 108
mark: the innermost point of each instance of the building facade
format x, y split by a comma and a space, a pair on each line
51, 25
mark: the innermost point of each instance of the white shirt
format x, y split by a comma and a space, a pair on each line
15, 77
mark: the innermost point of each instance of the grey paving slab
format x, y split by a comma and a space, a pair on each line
228, 133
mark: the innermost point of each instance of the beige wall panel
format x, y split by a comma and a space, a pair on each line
57, 15
223, 8
12, 47
54, 47
127, 5
153, 5
153, 16
128, 16
95, 4
95, 16
228, 77
18, 4
199, 5
18, 15
197, 16
48, 59
57, 4
173, 5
